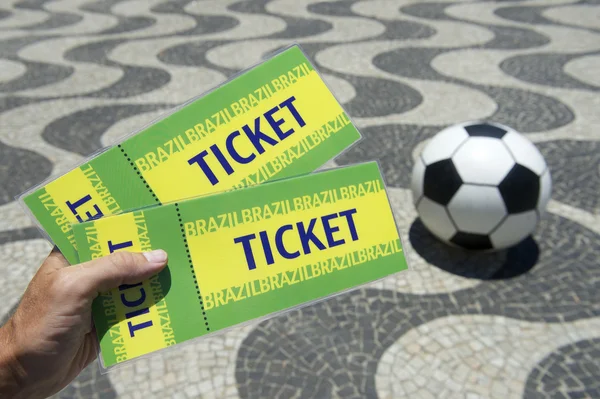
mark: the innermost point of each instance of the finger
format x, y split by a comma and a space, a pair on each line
55, 260
111, 271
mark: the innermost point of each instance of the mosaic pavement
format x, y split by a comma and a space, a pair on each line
76, 75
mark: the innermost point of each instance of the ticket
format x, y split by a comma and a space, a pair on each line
242, 255
276, 120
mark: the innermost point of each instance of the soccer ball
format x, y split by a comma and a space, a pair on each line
480, 186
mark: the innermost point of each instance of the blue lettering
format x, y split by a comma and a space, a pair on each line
348, 214
131, 304
257, 136
126, 286
307, 236
73, 207
279, 242
233, 152
137, 302
275, 124
267, 247
329, 230
245, 240
115, 247
133, 328
199, 159
288, 104
222, 160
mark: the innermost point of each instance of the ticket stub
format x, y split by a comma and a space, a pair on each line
276, 120
242, 255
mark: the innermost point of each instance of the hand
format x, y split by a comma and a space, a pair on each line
50, 339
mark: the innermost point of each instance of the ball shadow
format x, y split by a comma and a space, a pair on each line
504, 264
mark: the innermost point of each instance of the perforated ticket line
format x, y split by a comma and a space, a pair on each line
191, 263
136, 170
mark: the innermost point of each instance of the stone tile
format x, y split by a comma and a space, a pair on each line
402, 72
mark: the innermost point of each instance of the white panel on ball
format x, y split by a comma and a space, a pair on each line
443, 144
545, 191
436, 219
477, 209
514, 229
524, 152
483, 160
416, 184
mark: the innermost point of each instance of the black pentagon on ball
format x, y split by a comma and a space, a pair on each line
520, 189
472, 241
441, 181
485, 130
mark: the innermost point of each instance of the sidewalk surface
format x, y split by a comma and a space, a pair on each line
76, 75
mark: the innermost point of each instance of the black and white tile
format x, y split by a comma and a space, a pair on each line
76, 75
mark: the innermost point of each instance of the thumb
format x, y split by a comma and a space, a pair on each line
108, 272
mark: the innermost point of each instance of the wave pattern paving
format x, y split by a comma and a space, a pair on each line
76, 74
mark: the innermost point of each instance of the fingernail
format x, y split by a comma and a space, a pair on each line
156, 256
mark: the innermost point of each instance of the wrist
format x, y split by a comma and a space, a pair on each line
10, 369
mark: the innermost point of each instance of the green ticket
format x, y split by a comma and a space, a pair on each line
276, 120
242, 255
